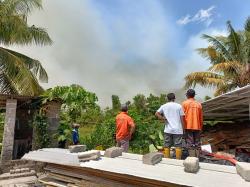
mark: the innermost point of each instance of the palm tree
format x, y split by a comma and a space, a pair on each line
230, 61
20, 74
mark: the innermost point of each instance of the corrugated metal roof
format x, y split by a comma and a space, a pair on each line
233, 105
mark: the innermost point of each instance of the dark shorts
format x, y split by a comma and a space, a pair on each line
123, 144
172, 140
193, 138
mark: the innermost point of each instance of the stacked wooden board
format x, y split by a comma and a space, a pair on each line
64, 169
225, 137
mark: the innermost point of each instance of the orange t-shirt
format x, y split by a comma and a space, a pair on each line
193, 114
123, 124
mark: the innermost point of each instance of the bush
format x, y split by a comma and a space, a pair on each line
146, 133
103, 135
40, 125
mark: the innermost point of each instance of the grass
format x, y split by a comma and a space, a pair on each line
86, 130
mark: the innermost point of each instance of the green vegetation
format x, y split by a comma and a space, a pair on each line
20, 74
40, 125
148, 129
97, 127
78, 106
230, 61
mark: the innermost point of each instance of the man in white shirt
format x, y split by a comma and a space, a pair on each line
173, 116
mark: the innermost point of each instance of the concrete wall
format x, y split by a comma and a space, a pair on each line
53, 114
9, 130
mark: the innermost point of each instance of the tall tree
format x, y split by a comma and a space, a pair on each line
230, 61
76, 101
116, 103
20, 74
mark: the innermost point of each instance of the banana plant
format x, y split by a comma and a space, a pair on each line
157, 142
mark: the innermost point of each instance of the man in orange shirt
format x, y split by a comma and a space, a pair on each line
193, 123
125, 127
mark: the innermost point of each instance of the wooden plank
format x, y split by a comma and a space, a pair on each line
52, 182
123, 178
63, 178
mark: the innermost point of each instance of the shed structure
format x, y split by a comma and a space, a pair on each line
18, 133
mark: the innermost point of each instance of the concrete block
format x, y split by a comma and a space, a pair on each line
152, 158
77, 148
24, 170
243, 169
191, 165
89, 155
12, 171
17, 170
113, 152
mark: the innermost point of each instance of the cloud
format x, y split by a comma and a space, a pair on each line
204, 16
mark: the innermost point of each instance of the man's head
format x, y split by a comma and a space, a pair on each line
124, 107
190, 93
76, 125
171, 97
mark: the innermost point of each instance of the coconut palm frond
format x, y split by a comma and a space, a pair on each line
33, 65
20, 73
20, 7
15, 31
218, 46
233, 41
224, 88
14, 26
15, 69
207, 79
26, 83
6, 85
247, 25
39, 36
208, 52
228, 67
211, 54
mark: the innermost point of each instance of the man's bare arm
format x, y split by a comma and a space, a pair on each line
160, 116
183, 123
132, 129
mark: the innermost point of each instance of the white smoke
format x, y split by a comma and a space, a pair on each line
125, 57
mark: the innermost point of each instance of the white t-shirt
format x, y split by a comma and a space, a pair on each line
172, 112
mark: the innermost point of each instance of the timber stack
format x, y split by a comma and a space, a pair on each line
227, 137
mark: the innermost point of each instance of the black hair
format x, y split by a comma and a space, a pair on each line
190, 93
124, 107
171, 97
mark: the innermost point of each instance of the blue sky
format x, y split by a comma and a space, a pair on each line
130, 12
126, 47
